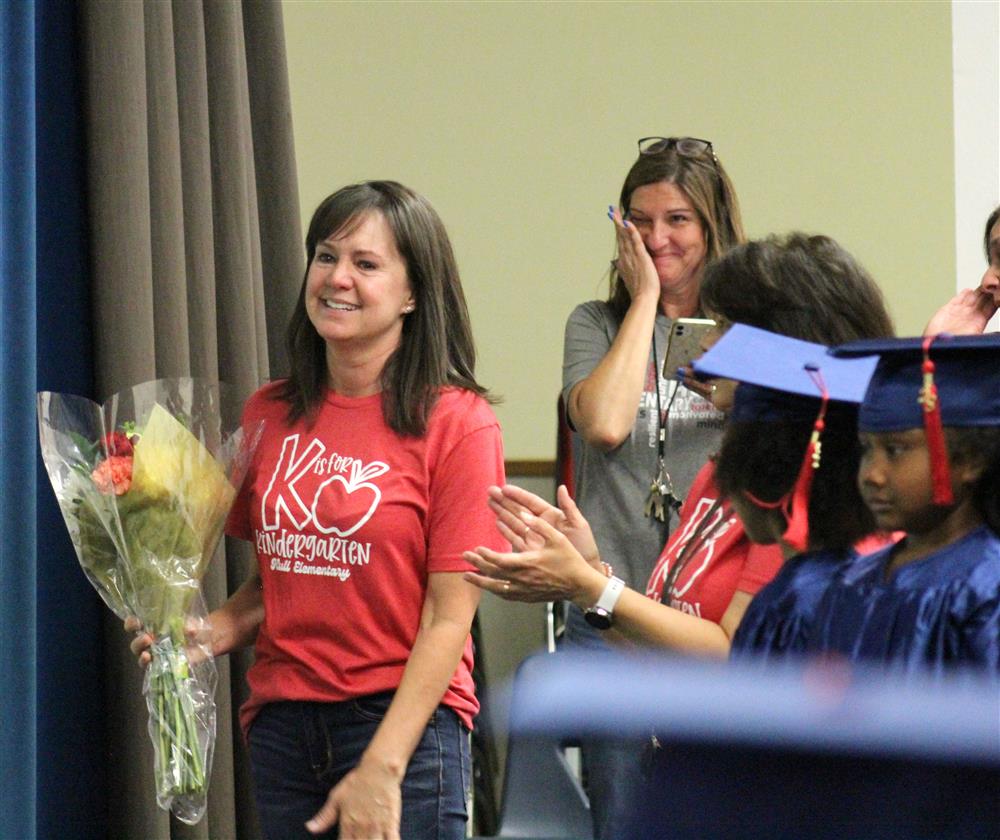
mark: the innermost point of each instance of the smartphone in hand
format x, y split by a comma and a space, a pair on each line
684, 343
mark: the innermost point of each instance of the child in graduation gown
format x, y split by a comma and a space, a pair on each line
930, 466
788, 464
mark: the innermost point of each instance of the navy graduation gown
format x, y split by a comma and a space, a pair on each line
778, 619
940, 611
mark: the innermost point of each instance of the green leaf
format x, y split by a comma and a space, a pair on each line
89, 450
98, 552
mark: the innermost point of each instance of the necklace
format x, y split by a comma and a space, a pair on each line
661, 488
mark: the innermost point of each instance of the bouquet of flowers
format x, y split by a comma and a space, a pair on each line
145, 483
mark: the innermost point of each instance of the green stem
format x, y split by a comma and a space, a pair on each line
179, 747
157, 686
181, 768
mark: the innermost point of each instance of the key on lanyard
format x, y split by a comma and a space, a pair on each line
661, 494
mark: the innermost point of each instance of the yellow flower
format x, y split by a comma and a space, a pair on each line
172, 467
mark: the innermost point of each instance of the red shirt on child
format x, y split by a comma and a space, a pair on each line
722, 558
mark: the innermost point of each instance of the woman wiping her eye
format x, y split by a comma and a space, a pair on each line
640, 436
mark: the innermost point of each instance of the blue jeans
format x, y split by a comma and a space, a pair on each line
299, 751
613, 768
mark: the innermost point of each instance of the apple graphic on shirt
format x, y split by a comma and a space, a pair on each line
351, 500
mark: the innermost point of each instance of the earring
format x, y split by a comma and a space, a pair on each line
409, 308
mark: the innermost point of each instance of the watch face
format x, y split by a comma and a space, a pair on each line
598, 617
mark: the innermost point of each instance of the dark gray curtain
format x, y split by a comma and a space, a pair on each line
196, 262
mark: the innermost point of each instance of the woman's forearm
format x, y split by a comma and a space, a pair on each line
643, 621
436, 653
236, 622
602, 406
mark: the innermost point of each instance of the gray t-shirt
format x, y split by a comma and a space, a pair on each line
612, 487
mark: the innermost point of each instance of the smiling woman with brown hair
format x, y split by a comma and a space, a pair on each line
366, 486
677, 213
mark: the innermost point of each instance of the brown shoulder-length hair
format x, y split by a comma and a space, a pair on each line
706, 185
436, 348
805, 287
800, 285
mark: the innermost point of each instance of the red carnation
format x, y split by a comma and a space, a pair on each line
118, 443
114, 474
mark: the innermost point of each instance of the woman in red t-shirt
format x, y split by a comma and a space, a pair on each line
370, 474
801, 286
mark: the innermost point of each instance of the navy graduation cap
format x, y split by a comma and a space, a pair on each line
929, 383
786, 379
780, 376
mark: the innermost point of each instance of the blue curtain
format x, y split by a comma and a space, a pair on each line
51, 740
18, 476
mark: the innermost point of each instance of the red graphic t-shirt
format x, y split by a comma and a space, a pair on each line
722, 558
348, 519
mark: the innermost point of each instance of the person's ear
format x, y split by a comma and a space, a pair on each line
968, 470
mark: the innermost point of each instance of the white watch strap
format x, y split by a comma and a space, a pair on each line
609, 597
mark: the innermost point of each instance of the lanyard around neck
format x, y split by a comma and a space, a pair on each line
661, 413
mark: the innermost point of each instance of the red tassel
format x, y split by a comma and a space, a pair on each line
797, 532
934, 431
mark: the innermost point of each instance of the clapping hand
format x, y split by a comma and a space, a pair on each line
554, 558
510, 502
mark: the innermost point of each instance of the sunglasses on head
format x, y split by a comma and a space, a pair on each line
692, 147
689, 147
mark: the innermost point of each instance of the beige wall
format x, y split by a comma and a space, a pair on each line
518, 122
